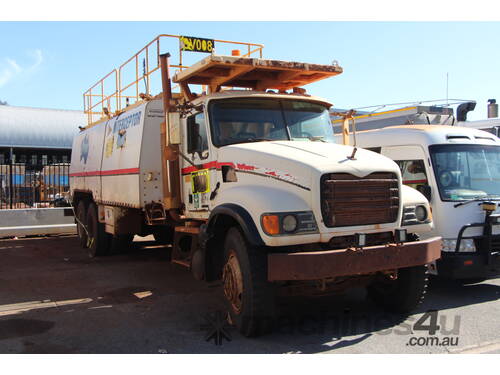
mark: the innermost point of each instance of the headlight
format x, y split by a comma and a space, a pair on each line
289, 223
413, 215
286, 223
466, 245
421, 213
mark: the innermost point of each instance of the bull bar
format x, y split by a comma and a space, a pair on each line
315, 265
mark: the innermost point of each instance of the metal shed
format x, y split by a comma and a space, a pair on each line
40, 128
35, 150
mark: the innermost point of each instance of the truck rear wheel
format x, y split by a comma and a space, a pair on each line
81, 216
249, 295
402, 294
98, 238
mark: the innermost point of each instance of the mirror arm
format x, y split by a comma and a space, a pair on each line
187, 159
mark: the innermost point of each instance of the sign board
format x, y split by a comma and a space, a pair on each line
200, 181
193, 44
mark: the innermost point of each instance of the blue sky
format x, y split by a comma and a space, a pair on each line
50, 64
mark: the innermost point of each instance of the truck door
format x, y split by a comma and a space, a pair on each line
412, 162
196, 179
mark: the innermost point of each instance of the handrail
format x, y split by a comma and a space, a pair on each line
98, 103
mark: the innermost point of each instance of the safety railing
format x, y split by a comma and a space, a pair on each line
121, 87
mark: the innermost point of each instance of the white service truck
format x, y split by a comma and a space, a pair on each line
249, 188
458, 170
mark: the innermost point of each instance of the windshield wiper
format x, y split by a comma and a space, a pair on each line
252, 140
259, 140
477, 199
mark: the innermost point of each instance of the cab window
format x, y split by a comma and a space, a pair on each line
413, 173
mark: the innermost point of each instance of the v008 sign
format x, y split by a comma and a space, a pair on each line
193, 44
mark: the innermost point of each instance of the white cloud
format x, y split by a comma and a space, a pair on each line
5, 76
13, 65
10, 69
38, 57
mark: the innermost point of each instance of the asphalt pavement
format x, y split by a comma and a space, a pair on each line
54, 299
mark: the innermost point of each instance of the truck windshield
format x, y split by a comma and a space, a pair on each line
466, 172
240, 120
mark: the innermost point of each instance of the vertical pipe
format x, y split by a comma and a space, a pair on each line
345, 131
158, 52
11, 178
102, 98
85, 105
170, 152
90, 105
147, 71
136, 78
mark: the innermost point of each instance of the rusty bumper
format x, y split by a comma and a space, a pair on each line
316, 265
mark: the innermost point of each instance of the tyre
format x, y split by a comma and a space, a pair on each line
121, 243
403, 294
98, 243
81, 216
249, 296
164, 235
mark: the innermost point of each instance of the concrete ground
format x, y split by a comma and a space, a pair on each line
54, 299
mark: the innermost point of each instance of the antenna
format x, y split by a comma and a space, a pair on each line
446, 88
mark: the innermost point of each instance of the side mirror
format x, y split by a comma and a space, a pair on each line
204, 155
426, 191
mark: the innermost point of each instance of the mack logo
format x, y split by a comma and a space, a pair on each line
84, 149
126, 122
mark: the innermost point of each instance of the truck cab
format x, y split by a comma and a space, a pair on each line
458, 170
246, 185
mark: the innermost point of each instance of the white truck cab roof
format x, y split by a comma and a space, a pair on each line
424, 135
228, 94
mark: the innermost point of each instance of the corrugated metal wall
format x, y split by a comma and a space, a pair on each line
38, 127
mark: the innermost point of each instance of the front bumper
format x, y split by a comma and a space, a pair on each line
467, 266
484, 263
316, 265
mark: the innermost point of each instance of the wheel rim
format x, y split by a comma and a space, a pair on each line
233, 282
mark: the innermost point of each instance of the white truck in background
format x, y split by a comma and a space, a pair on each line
458, 170
248, 187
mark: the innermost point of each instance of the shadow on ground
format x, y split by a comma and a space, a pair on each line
141, 303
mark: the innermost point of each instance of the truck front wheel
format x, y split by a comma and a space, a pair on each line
98, 243
402, 294
249, 295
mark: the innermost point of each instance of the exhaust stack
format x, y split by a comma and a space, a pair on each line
170, 152
463, 109
492, 108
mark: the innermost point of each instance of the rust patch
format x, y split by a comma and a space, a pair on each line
315, 265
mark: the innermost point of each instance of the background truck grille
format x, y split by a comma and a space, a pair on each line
347, 200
